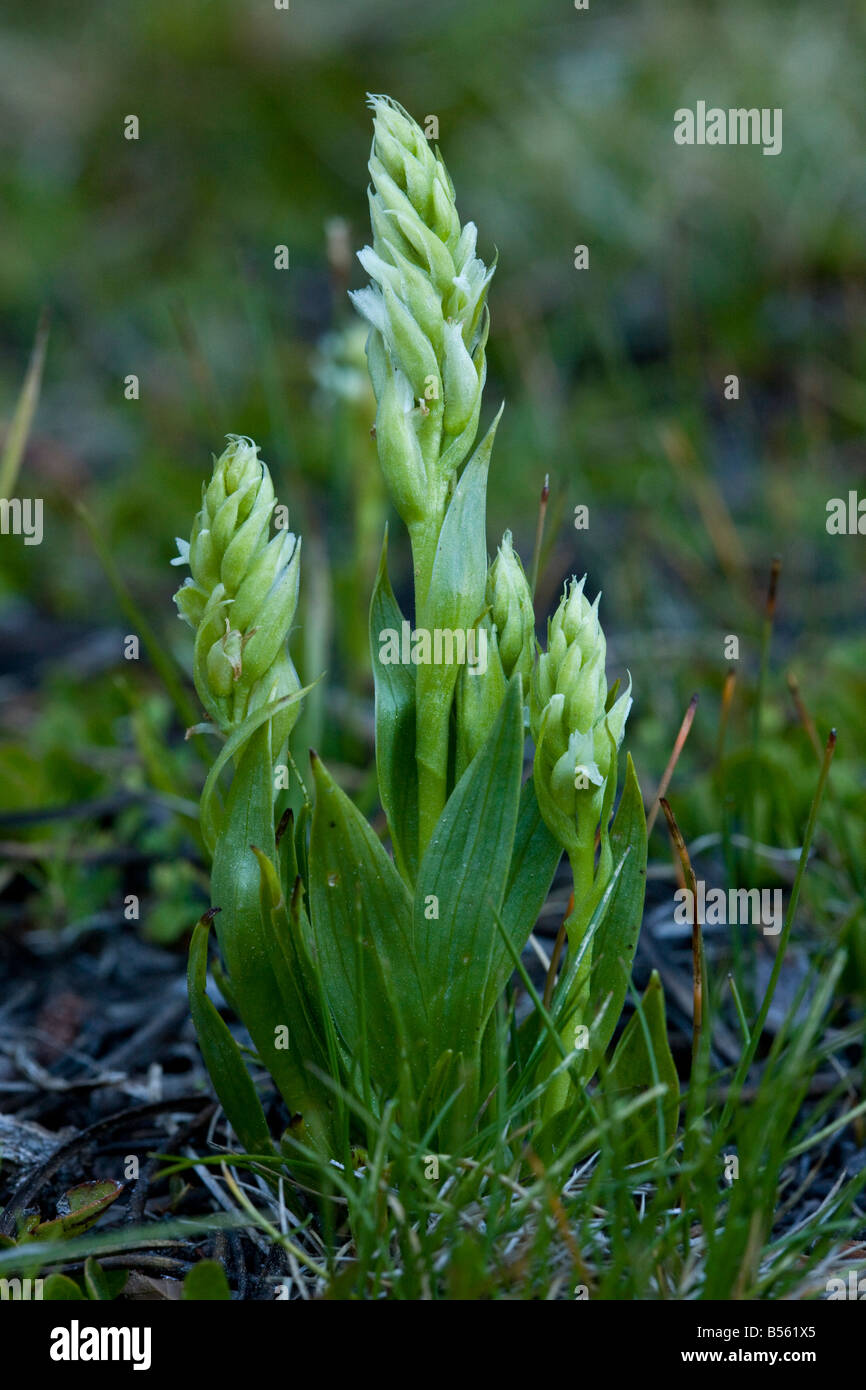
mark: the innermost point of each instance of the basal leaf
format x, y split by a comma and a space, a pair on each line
361, 916
461, 883
222, 1056
534, 859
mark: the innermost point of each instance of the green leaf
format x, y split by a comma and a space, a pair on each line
459, 577
222, 1056
207, 1281
616, 937
294, 974
395, 728
211, 817
57, 1288
103, 1285
18, 430
454, 601
361, 918
642, 1059
84, 1204
534, 861
252, 954
463, 876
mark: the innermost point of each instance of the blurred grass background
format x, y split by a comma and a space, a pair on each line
156, 257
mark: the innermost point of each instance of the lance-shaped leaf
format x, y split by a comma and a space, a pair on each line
292, 966
534, 859
250, 950
222, 1056
361, 916
642, 1060
459, 577
452, 604
462, 878
395, 727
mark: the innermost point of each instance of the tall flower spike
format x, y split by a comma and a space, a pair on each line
576, 743
428, 318
242, 593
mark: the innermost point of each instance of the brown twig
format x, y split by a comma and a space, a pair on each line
805, 717
539, 533
725, 713
698, 962
558, 948
688, 720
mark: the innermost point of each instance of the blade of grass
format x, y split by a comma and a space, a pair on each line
757, 1030
25, 408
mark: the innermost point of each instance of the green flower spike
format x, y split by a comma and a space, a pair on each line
576, 742
506, 636
511, 607
427, 311
428, 319
240, 601
242, 594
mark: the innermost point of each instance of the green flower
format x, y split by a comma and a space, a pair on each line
511, 608
576, 736
242, 593
426, 307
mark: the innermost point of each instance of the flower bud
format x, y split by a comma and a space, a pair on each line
400, 449
480, 692
224, 662
460, 381
511, 607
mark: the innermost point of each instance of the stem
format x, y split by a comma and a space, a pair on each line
432, 708
583, 900
757, 710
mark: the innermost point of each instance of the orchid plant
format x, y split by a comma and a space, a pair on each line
367, 977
